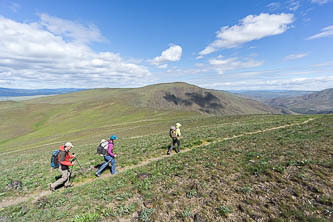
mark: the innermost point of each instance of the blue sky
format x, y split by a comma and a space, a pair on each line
228, 45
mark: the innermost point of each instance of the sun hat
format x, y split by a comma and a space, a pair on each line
113, 137
69, 144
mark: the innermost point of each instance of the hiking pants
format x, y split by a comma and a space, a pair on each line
107, 160
65, 174
174, 141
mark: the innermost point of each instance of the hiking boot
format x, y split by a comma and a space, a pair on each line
51, 188
68, 186
97, 175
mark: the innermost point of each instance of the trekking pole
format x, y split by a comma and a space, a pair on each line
76, 159
79, 163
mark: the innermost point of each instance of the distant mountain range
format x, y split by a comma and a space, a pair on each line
314, 103
6, 92
266, 95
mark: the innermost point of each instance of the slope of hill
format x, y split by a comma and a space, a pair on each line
319, 102
183, 96
231, 168
44, 120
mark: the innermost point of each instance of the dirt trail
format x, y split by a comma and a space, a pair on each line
35, 196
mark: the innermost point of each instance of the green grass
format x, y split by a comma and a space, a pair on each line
280, 175
75, 116
131, 151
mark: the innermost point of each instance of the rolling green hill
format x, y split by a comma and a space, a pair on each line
94, 113
254, 167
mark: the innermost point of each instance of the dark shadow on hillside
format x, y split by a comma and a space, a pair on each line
176, 100
206, 102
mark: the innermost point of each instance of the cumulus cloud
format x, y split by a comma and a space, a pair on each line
325, 32
221, 65
295, 56
37, 53
320, 2
250, 28
172, 54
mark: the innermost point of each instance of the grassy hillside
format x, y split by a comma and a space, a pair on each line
318, 102
182, 96
92, 113
231, 168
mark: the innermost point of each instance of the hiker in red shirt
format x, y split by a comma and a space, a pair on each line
64, 163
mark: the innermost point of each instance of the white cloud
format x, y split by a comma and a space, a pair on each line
294, 5
36, 55
199, 64
13, 6
324, 64
163, 66
72, 30
320, 2
295, 56
273, 6
172, 54
325, 32
222, 65
310, 83
250, 28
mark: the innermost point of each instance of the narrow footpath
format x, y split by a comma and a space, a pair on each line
35, 196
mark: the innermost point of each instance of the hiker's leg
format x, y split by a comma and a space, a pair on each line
178, 145
63, 179
68, 178
113, 167
172, 146
106, 162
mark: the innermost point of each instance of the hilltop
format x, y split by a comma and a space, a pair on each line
318, 102
183, 96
